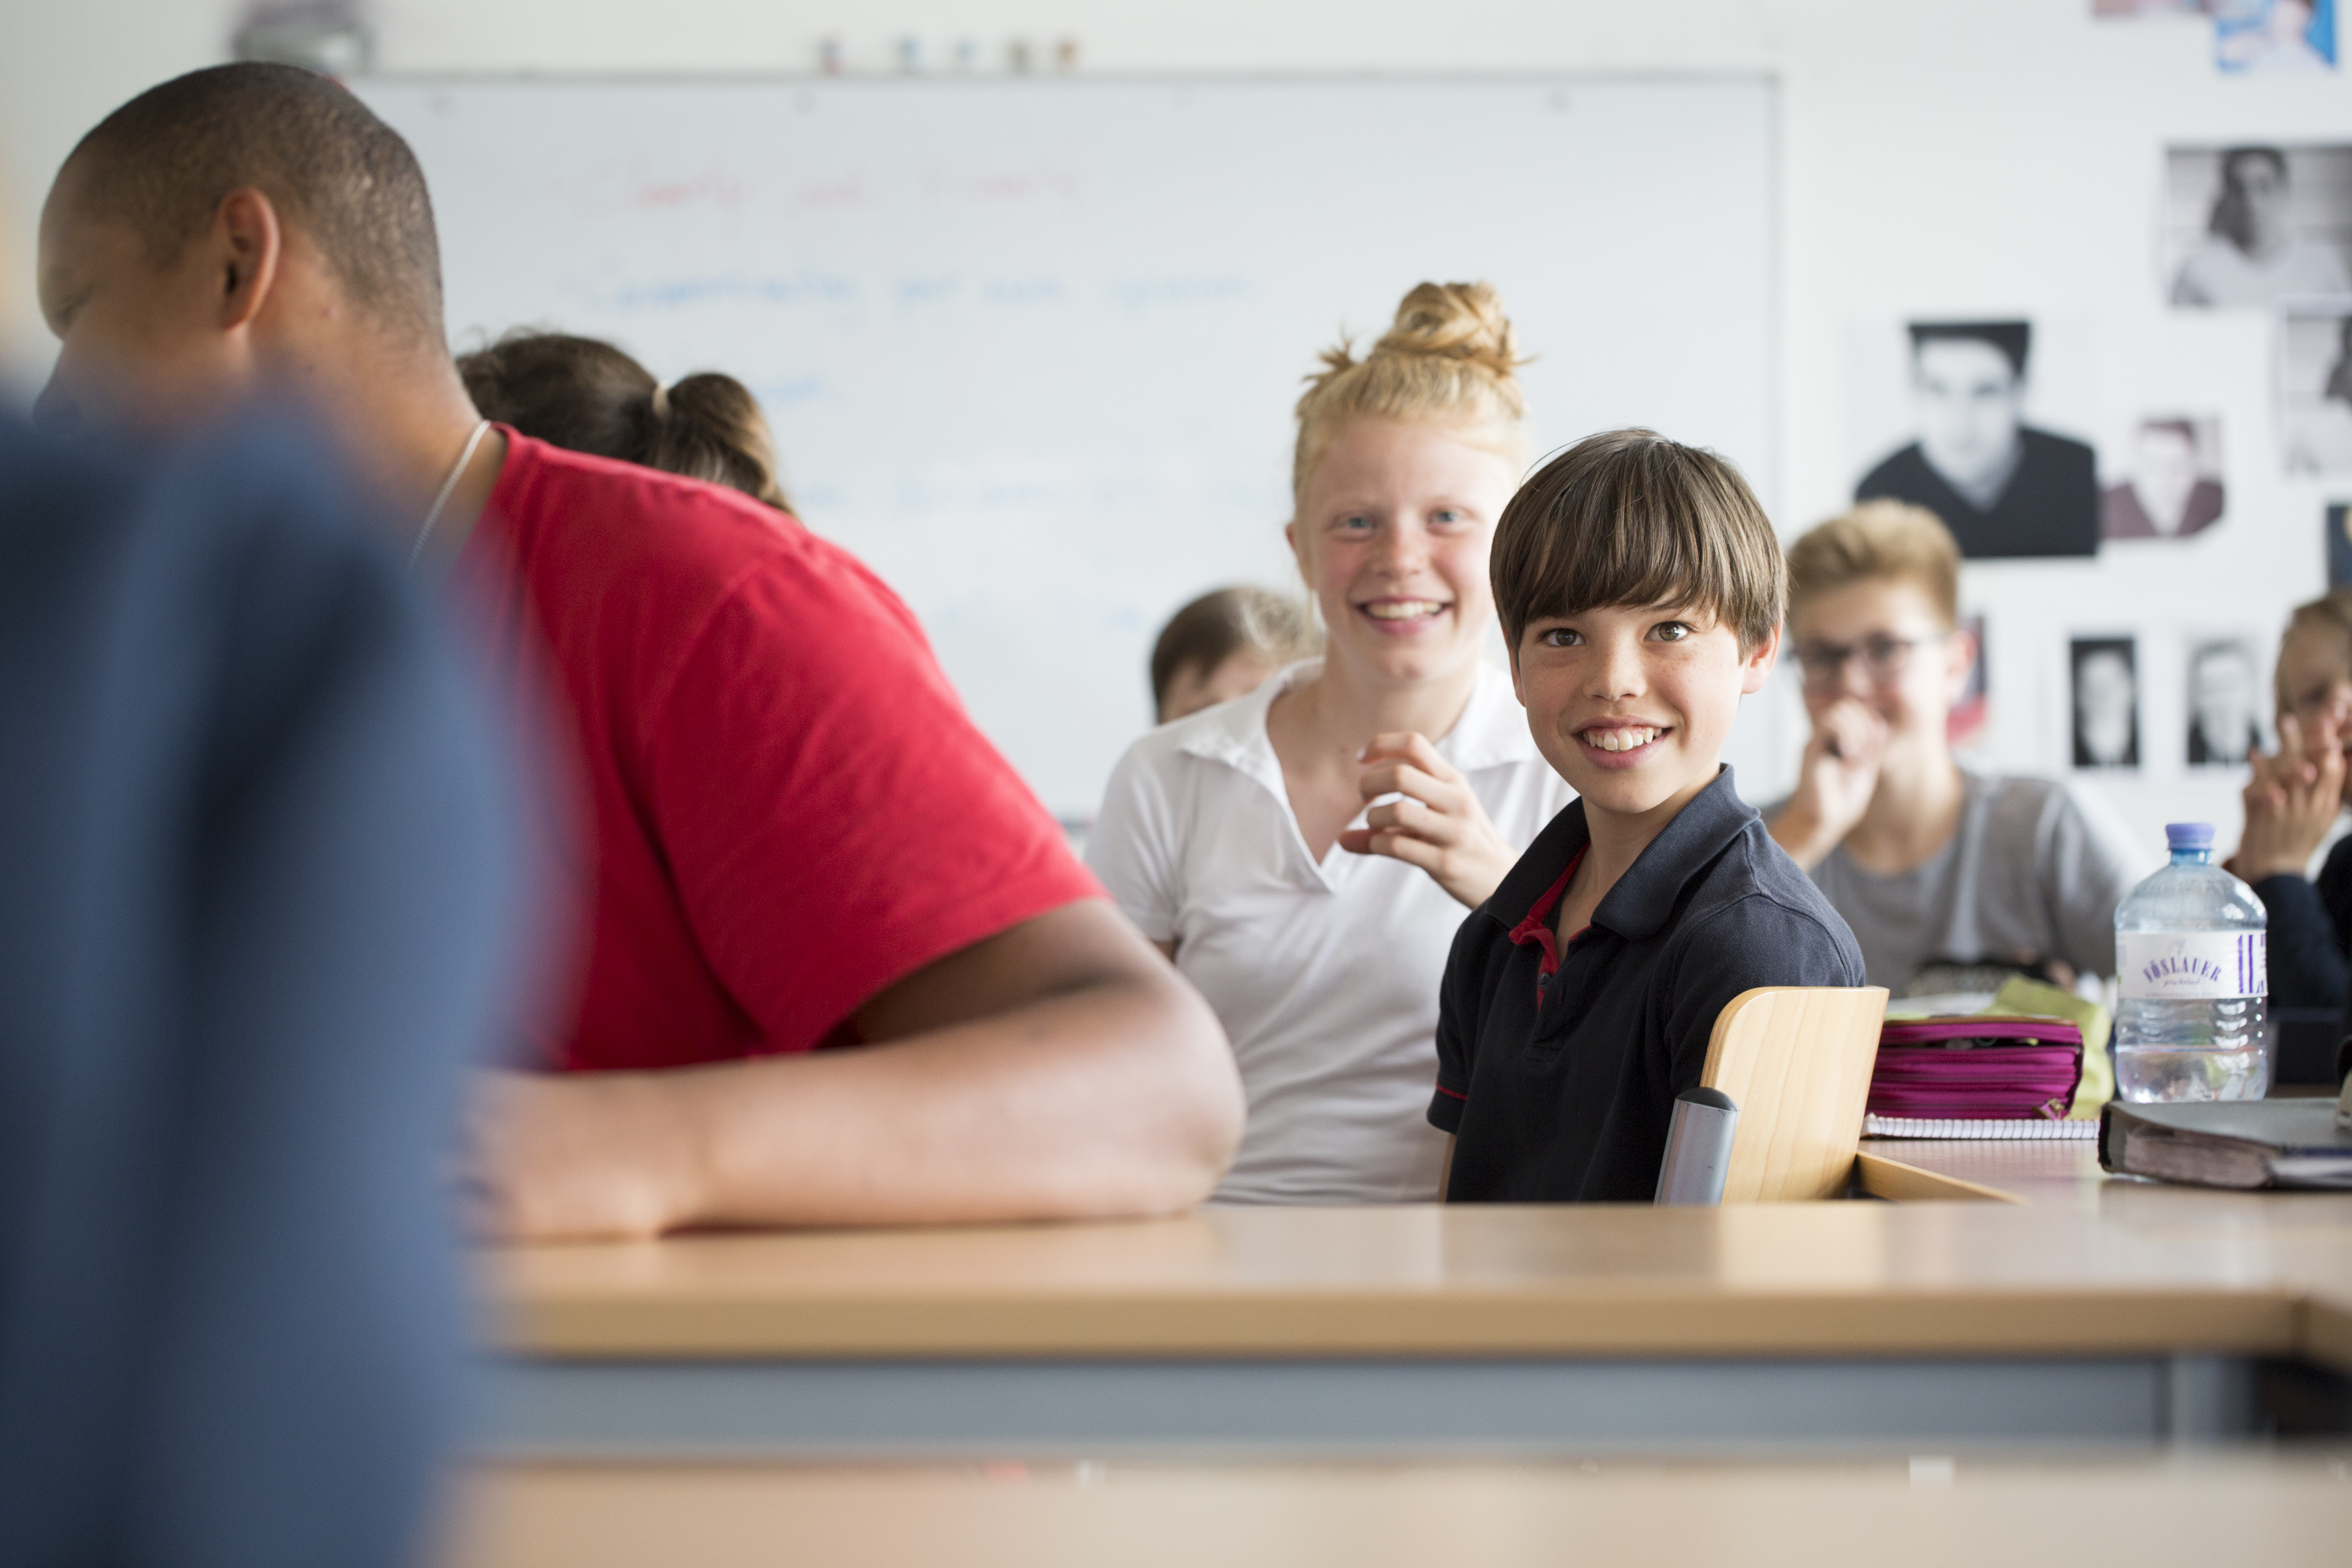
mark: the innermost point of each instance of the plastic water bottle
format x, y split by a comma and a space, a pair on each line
2192, 963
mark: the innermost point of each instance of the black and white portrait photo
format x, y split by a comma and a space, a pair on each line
2254, 227
2105, 687
2002, 487
2168, 485
2314, 361
2225, 702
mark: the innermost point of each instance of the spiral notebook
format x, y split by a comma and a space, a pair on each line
1992, 1130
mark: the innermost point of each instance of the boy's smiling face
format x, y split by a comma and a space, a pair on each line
1633, 706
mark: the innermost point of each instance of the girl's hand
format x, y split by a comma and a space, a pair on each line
1438, 825
2291, 801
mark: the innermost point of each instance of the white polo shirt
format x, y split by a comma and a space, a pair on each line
1325, 975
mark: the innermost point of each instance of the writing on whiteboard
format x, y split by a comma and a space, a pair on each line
1133, 296
807, 288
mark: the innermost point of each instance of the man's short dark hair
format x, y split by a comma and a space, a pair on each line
1630, 518
2013, 338
340, 176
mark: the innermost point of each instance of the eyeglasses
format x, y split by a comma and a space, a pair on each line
1884, 659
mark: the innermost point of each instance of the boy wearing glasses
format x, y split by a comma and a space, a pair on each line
1937, 864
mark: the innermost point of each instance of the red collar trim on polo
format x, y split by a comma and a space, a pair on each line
1536, 927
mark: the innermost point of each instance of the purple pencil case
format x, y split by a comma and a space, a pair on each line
1971, 1069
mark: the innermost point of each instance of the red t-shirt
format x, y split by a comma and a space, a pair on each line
790, 808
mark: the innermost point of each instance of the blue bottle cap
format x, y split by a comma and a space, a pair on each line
2189, 834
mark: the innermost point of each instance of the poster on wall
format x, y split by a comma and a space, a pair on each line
2004, 487
2168, 481
2223, 700
2105, 686
2274, 36
2337, 524
2314, 390
2254, 225
1965, 724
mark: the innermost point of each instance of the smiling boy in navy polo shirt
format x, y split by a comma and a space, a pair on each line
1641, 591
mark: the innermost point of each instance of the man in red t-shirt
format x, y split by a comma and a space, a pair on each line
796, 838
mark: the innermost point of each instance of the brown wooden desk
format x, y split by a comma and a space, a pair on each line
2090, 1311
1922, 1512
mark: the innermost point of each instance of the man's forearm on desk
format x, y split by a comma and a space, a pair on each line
1112, 1093
1084, 1105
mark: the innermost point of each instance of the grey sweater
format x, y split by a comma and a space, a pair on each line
2034, 871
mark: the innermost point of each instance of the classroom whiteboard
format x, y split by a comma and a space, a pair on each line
1031, 346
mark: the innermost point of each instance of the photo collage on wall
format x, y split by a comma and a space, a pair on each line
2006, 487
1997, 444
2250, 37
2104, 682
2268, 228
2115, 725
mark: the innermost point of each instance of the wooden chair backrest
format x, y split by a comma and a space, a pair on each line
1795, 1060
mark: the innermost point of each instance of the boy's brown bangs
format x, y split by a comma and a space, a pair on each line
1630, 518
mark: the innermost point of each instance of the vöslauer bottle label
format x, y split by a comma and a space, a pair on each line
2189, 966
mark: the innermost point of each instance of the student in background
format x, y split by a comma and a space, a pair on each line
800, 840
1931, 860
1224, 645
1641, 591
2292, 802
585, 395
1246, 839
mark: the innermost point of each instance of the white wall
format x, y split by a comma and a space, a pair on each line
1947, 156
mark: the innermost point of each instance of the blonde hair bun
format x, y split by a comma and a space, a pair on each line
1454, 321
1449, 358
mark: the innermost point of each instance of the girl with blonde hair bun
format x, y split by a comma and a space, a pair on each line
1307, 852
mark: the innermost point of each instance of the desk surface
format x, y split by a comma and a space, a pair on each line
1931, 1514
2052, 1174
2082, 1265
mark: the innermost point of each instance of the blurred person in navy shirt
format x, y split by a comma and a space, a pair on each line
258, 893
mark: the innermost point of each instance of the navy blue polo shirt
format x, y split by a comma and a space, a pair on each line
1557, 1071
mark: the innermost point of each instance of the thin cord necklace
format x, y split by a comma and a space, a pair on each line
447, 485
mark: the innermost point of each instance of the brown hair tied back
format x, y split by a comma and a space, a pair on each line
1202, 636
711, 428
586, 396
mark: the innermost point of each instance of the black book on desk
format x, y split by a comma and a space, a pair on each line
2231, 1143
